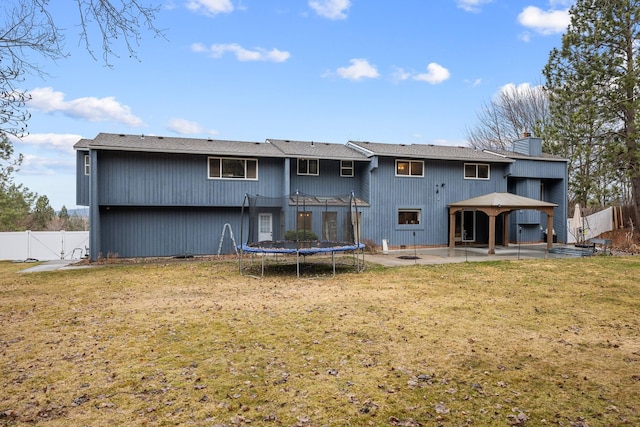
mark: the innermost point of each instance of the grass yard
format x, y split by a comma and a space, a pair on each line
532, 342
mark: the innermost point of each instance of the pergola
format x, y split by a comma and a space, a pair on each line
495, 204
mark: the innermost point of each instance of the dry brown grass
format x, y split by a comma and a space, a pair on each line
534, 342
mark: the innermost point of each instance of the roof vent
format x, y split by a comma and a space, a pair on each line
161, 137
122, 134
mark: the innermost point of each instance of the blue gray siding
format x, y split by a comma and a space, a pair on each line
148, 231
164, 204
539, 169
328, 181
555, 192
443, 183
156, 179
82, 180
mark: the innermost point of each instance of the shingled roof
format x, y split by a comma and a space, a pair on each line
281, 148
271, 148
503, 200
426, 151
520, 156
320, 150
163, 144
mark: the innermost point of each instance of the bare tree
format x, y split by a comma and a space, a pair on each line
502, 120
28, 31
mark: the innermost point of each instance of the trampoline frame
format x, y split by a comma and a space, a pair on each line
303, 247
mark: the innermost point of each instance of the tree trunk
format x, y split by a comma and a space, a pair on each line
635, 192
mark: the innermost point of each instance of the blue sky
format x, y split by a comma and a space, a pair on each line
402, 71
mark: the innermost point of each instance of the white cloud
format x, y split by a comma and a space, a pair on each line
48, 166
62, 142
359, 69
512, 89
332, 9
525, 36
435, 74
210, 7
552, 21
187, 127
242, 54
199, 48
515, 89
399, 74
89, 108
472, 5
474, 83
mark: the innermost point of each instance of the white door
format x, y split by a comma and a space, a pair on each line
265, 227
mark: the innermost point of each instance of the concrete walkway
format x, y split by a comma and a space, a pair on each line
59, 264
473, 254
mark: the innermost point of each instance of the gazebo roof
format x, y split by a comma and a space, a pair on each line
502, 200
495, 204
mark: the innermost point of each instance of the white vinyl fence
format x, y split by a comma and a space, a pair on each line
591, 226
43, 245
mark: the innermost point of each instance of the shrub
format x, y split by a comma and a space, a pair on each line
370, 246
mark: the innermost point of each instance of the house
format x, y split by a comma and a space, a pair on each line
162, 196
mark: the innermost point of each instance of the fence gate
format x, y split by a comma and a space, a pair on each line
43, 245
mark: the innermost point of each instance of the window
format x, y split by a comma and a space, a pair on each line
476, 171
231, 168
87, 164
346, 167
409, 168
308, 167
409, 216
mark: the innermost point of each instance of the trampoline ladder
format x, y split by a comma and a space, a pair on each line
235, 247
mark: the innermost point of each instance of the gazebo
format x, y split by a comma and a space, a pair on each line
493, 205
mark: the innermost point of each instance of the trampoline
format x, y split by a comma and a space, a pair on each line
306, 217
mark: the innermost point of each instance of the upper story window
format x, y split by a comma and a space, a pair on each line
308, 167
409, 168
476, 171
232, 168
346, 167
87, 164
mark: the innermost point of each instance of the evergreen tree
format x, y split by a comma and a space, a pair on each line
15, 204
42, 214
593, 82
15, 200
63, 214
